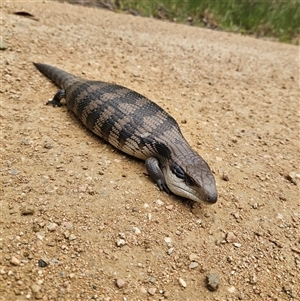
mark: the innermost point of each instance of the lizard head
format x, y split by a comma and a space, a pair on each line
194, 181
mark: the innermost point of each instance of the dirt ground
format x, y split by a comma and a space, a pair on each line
82, 221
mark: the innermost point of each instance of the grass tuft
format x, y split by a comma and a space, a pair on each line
268, 18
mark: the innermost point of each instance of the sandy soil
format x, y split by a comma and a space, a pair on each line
82, 221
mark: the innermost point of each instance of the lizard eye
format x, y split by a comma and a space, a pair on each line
178, 171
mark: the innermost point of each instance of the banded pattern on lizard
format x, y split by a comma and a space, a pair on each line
139, 127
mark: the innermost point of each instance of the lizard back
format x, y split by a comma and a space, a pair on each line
126, 119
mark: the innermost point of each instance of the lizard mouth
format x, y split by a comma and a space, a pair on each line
188, 193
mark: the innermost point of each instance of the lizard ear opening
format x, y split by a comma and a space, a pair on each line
178, 171
189, 181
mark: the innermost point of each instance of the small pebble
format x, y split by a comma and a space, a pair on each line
120, 283
35, 288
152, 291
253, 279
56, 261
120, 242
35, 227
67, 225
40, 235
13, 172
168, 240
67, 234
48, 145
170, 251
3, 45
72, 237
15, 261
230, 237
42, 263
52, 227
136, 230
122, 235
287, 289
38, 295
225, 176
159, 202
193, 265
182, 282
237, 244
193, 257
212, 282
292, 177
27, 210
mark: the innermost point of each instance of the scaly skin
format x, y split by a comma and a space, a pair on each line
139, 127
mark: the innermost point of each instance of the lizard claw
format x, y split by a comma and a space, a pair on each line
163, 186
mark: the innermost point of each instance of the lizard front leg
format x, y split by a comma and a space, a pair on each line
155, 173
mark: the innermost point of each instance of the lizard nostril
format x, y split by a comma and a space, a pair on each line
212, 198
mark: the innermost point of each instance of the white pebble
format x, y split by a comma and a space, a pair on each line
168, 240
152, 291
237, 244
136, 230
182, 282
72, 237
159, 202
40, 235
120, 283
193, 265
52, 227
170, 251
120, 242
67, 225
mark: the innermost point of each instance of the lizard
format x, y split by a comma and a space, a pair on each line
138, 127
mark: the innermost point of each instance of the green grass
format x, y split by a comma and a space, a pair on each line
265, 18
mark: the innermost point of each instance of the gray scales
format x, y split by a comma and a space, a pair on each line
139, 127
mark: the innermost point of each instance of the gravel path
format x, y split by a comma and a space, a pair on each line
82, 221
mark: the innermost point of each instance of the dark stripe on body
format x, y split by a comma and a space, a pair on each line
126, 115
128, 120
